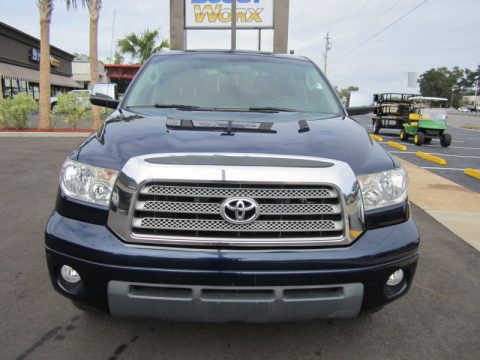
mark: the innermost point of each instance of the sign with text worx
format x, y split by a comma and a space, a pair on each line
217, 14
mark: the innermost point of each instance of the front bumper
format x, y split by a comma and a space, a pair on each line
230, 285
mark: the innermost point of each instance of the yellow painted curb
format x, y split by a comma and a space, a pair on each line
435, 159
376, 137
472, 172
397, 146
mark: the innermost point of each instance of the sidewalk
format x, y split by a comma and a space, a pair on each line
452, 205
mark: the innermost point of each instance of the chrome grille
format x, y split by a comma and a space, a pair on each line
192, 210
222, 225
220, 192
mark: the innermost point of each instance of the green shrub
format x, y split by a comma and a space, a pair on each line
14, 111
2, 115
73, 107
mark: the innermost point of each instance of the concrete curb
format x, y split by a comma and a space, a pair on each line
8, 134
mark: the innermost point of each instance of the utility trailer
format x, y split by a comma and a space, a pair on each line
391, 110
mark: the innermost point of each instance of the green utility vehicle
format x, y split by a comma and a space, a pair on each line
427, 120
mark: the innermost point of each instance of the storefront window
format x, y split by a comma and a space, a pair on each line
22, 86
34, 91
10, 88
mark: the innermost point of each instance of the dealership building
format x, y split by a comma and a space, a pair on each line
20, 65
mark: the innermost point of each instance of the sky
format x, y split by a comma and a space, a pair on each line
438, 33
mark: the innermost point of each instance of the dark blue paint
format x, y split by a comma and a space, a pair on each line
77, 234
100, 256
339, 138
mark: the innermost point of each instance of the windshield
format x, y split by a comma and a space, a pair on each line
433, 114
231, 82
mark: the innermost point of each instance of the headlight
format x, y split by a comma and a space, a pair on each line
384, 189
87, 183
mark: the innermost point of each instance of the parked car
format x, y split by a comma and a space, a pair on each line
463, 109
231, 186
83, 98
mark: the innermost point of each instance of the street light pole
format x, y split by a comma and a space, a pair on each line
476, 92
328, 46
234, 25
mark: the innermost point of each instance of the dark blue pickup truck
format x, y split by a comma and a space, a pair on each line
231, 186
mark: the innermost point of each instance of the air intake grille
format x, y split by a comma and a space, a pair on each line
193, 210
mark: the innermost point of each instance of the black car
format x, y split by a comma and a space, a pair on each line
231, 186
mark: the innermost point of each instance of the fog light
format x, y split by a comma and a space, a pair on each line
70, 275
396, 278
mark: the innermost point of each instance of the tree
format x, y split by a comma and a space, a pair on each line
442, 82
343, 93
94, 7
141, 47
45, 8
117, 58
82, 57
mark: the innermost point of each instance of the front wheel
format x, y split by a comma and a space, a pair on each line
445, 139
377, 125
419, 138
403, 135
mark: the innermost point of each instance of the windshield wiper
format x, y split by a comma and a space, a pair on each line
271, 109
177, 106
166, 106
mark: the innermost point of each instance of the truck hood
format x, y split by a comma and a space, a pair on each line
172, 131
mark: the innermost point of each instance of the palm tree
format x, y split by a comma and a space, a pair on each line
143, 46
45, 8
94, 7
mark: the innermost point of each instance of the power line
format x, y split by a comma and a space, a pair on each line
348, 12
381, 31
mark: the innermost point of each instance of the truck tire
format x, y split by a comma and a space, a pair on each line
377, 125
445, 139
419, 138
403, 135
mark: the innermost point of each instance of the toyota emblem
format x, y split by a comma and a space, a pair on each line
240, 210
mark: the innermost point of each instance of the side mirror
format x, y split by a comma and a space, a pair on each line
105, 95
104, 102
359, 110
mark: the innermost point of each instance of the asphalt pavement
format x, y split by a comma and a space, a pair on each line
438, 319
464, 152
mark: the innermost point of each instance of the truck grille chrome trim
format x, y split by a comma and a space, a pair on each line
284, 209
181, 205
219, 225
214, 208
259, 193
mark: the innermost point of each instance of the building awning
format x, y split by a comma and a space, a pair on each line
21, 73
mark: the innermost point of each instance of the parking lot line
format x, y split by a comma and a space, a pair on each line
449, 155
462, 147
440, 168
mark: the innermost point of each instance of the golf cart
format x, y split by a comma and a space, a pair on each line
391, 110
426, 121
